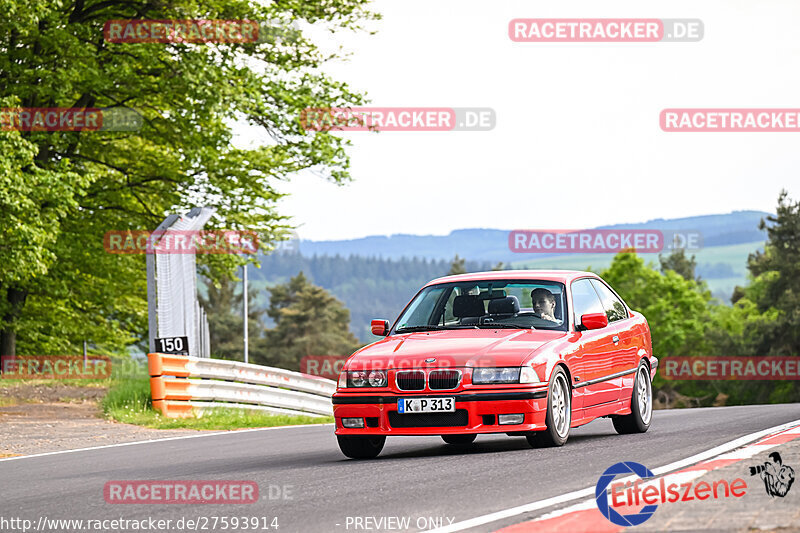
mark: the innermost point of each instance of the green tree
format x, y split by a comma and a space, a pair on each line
776, 279
458, 266
765, 316
61, 191
308, 321
680, 264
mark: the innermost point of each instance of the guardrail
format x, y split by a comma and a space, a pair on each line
182, 385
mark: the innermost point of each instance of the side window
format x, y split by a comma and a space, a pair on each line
584, 299
615, 310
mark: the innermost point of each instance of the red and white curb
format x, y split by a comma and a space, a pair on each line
585, 517
722, 451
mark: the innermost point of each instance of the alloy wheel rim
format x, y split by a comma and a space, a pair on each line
560, 406
644, 395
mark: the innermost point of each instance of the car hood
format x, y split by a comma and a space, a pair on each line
453, 348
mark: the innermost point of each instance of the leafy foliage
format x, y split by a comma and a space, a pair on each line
61, 191
308, 321
680, 264
684, 321
457, 266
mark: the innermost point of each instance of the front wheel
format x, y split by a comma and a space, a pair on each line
459, 440
361, 447
559, 413
641, 405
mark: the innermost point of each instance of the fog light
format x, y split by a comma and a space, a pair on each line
510, 419
353, 422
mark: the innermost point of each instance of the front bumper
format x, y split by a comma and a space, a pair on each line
476, 412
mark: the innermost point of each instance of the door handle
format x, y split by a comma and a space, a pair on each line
615, 338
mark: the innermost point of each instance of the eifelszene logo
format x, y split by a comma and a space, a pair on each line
601, 496
778, 477
656, 491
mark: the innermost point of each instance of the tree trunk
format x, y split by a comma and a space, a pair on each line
8, 336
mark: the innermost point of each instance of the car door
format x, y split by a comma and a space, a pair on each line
626, 354
597, 350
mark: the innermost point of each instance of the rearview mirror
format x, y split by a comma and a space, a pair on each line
379, 327
594, 320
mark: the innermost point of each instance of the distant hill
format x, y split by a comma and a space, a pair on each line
376, 276
478, 244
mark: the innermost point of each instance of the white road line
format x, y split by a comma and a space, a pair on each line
589, 491
231, 432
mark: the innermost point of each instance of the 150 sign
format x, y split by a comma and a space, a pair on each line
173, 345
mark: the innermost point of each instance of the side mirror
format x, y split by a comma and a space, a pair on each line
594, 321
379, 327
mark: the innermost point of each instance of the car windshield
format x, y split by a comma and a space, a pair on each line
523, 304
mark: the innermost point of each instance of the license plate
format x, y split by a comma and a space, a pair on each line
426, 405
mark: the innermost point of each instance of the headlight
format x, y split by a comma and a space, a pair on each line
377, 378
482, 376
360, 378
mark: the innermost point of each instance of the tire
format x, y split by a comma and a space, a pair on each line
559, 413
459, 440
361, 447
641, 405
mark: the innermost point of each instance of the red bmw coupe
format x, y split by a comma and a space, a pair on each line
525, 352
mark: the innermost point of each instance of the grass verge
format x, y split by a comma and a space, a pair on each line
129, 401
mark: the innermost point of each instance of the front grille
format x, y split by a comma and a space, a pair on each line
410, 379
429, 420
443, 379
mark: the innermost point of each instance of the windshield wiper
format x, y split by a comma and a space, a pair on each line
504, 326
428, 328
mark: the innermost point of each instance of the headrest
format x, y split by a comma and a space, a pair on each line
504, 306
467, 305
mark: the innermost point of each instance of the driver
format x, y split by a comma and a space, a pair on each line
544, 304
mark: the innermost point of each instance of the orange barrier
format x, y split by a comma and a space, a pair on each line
160, 364
230, 384
174, 409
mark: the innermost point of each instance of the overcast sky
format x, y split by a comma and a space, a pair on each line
577, 142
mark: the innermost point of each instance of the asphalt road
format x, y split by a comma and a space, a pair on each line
417, 478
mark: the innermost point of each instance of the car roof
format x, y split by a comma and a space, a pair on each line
563, 276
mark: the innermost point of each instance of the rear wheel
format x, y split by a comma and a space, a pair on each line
361, 447
559, 413
459, 440
641, 405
